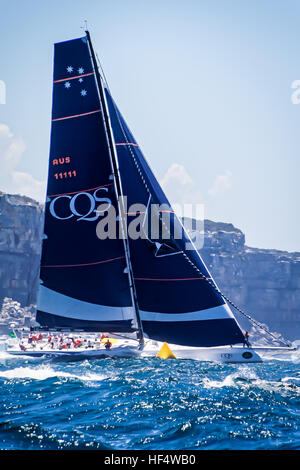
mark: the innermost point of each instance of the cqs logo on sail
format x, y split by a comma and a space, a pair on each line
81, 205
152, 221
2, 92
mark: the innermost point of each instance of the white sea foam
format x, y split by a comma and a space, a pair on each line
246, 378
4, 355
292, 356
290, 379
242, 375
46, 372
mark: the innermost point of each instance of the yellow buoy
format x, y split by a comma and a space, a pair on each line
165, 352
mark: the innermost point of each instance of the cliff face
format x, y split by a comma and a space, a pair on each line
264, 283
20, 243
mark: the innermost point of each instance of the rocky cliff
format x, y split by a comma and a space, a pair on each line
264, 283
20, 243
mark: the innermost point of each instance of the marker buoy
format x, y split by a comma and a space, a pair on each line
165, 352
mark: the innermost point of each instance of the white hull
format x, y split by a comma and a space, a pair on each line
120, 351
83, 353
223, 354
128, 348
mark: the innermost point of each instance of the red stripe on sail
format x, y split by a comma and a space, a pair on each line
171, 279
127, 143
72, 78
77, 115
81, 191
79, 265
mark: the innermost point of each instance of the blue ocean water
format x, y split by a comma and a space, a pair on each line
148, 404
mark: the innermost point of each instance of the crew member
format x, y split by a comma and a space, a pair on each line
246, 339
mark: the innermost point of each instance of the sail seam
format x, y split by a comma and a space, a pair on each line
171, 279
72, 78
77, 115
85, 264
81, 191
127, 143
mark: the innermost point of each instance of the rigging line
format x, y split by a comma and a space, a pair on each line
102, 71
255, 322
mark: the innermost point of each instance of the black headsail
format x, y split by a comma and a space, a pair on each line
178, 299
84, 281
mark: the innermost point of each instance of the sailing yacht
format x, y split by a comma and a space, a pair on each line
150, 290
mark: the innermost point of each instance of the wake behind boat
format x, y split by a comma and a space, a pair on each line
111, 260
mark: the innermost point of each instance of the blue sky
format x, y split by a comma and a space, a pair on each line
205, 86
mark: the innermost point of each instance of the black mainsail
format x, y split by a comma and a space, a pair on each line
150, 283
84, 282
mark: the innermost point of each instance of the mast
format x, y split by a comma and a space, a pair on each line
118, 189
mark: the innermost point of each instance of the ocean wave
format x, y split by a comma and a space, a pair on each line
148, 404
